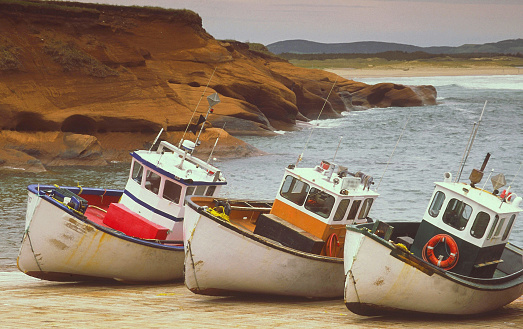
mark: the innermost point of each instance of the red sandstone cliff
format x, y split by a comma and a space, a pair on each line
89, 83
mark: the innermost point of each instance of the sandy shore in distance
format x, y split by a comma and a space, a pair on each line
424, 72
27, 302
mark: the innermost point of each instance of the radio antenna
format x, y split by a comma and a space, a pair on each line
337, 148
390, 157
215, 143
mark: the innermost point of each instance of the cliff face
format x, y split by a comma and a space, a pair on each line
99, 71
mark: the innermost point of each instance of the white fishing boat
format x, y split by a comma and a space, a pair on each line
133, 235
290, 246
457, 260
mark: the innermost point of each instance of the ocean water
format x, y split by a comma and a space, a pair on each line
433, 141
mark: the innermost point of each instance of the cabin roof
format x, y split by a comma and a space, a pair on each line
479, 197
326, 182
167, 162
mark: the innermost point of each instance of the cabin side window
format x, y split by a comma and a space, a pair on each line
365, 208
480, 225
342, 209
500, 226
172, 191
457, 214
210, 190
509, 226
319, 202
200, 190
491, 232
294, 190
137, 172
152, 182
436, 204
354, 209
189, 191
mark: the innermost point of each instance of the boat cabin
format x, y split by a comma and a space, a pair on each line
159, 181
322, 201
466, 228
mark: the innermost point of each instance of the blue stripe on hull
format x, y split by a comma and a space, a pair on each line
154, 210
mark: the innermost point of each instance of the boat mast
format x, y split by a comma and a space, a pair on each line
198, 104
390, 157
469, 145
212, 100
300, 157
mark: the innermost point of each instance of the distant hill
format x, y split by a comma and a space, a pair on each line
513, 46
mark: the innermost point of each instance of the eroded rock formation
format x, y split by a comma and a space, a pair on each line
70, 69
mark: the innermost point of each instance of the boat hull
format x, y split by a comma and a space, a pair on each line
60, 245
381, 277
222, 259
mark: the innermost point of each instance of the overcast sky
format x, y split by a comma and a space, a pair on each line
415, 22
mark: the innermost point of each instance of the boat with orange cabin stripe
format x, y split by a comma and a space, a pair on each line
290, 246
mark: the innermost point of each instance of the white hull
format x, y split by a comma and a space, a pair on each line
378, 282
59, 246
223, 259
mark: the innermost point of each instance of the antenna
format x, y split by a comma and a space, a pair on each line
300, 157
335, 153
156, 139
469, 145
215, 143
198, 104
390, 157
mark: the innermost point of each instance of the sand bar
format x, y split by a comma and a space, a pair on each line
31, 303
425, 71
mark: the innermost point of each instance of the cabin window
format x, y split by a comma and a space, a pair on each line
200, 190
152, 182
294, 190
491, 232
172, 191
210, 190
319, 202
137, 172
457, 214
342, 209
480, 225
436, 204
354, 209
189, 191
509, 226
500, 225
366, 208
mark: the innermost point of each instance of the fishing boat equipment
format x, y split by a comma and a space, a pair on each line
447, 263
332, 244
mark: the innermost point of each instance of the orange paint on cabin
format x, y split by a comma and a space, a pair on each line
307, 222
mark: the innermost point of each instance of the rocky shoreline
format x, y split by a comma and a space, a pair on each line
75, 78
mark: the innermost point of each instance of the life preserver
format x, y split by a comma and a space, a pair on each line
449, 262
332, 244
511, 197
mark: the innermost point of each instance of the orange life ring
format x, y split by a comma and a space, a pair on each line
332, 243
449, 262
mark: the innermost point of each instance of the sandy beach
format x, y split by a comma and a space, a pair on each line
31, 303
424, 71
